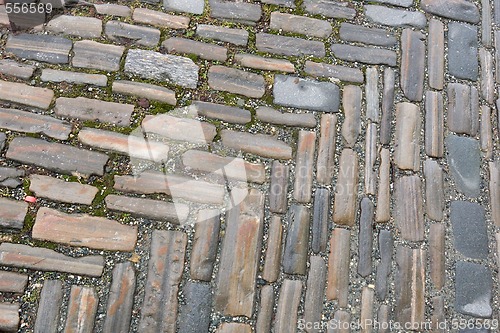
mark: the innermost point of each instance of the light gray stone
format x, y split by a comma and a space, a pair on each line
395, 17
469, 229
45, 48
90, 54
229, 35
462, 51
289, 46
330, 8
368, 55
464, 160
246, 13
55, 75
127, 33
373, 36
300, 25
337, 72
191, 6
473, 289
461, 10
85, 27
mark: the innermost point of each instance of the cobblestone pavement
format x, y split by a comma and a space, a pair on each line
251, 166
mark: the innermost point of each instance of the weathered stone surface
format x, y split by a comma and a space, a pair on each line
268, 64
112, 9
463, 109
194, 316
20, 93
461, 10
401, 3
315, 291
438, 315
494, 183
434, 124
121, 299
437, 255
473, 289
469, 229
45, 48
166, 264
366, 315
3, 139
383, 317
9, 317
179, 129
271, 270
306, 94
346, 189
258, 144
51, 297
234, 328
90, 54
387, 106
372, 94
395, 17
341, 73
122, 32
164, 67
236, 81
204, 251
203, 50
82, 309
93, 109
265, 313
278, 188
300, 25
274, 116
223, 112
497, 237
462, 51
368, 55
296, 245
284, 3
365, 237
435, 51
288, 305
11, 282
223, 34
304, 166
226, 167
386, 247
12, 213
338, 267
434, 190
487, 79
383, 212
373, 36
85, 27
55, 156
464, 159
486, 130
351, 102
54, 75
144, 90
16, 69
329, 8
289, 46
177, 186
412, 64
326, 149
409, 208
240, 253
192, 7
37, 258
370, 158
149, 208
246, 13
60, 190
343, 320
10, 177
321, 212
148, 16
410, 286
407, 137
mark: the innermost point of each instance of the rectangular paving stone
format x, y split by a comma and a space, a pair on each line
329, 8
16, 69
45, 48
487, 79
273, 116
315, 291
497, 237
194, 316
37, 258
496, 34
434, 190
236, 81
48, 315
494, 186
246, 13
202, 50
85, 27
306, 94
55, 75
165, 267
437, 255
383, 317
372, 94
304, 166
258, 144
473, 289
265, 312
148, 16
240, 252
56, 156
289, 46
434, 124
485, 134
412, 64
370, 158
82, 309
179, 129
112, 9
206, 239
464, 159
278, 188
300, 25
383, 211
386, 248
63, 191
338, 72
462, 51
463, 109
342, 319
192, 7
223, 34
469, 229
90, 54
338, 267
123, 32
272, 261
438, 314
460, 10
11, 282
20, 93
268, 64
234, 328
9, 317
395, 17
145, 90
372, 36
12, 213
351, 103
387, 106
407, 136
288, 306
325, 166
409, 213
148, 208
93, 109
296, 244
121, 299
346, 193
435, 51
284, 3
366, 314
367, 55
365, 237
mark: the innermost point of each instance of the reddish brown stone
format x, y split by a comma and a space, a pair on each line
383, 211
409, 208
267, 64
434, 124
234, 328
495, 191
434, 190
203, 50
82, 309
12, 282
367, 301
437, 254
145, 90
407, 138
304, 166
21, 93
9, 317
60, 190
325, 166
271, 270
265, 312
351, 127
346, 194
148, 16
435, 60
370, 158
179, 129
206, 239
288, 305
236, 81
258, 144
278, 189
338, 266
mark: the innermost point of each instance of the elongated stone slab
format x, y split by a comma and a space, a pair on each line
123, 32
412, 64
395, 17
271, 270
330, 8
47, 316
304, 166
9, 317
24, 256
342, 73
320, 220
289, 46
464, 159
462, 51
148, 16
12, 213
16, 69
82, 309
387, 106
434, 124
434, 190
51, 49
148, 208
368, 55
296, 245
223, 112
273, 116
469, 229
21, 93
342, 319
485, 135
383, 211
435, 50
85, 27
373, 36
386, 247
438, 315
365, 238
300, 25
494, 183
93, 109
268, 64
60, 190
288, 305
201, 49
326, 149
90, 54
236, 81
194, 316
487, 78
83, 230
55, 156
315, 291
121, 299
473, 289
306, 94
265, 313
112, 9
463, 109
461, 10
409, 208
338, 266
179, 129
351, 102
223, 34
165, 267
12, 282
407, 152
366, 315
437, 255
246, 13
234, 328
278, 188
258, 144
240, 252
372, 94
55, 75
145, 90
370, 158
346, 193
204, 251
